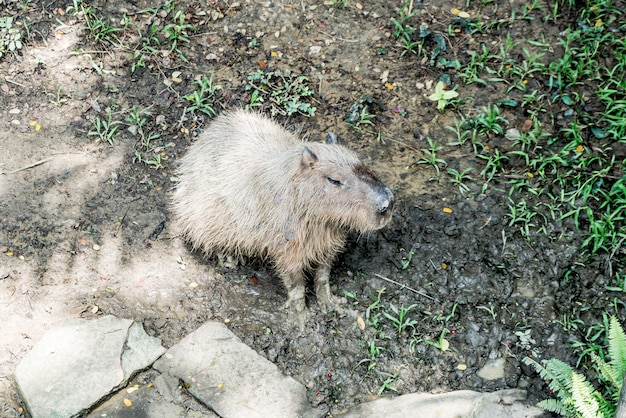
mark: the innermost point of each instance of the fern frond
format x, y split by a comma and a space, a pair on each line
607, 372
583, 397
557, 373
556, 406
617, 350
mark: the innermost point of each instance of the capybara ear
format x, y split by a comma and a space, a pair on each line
331, 138
309, 159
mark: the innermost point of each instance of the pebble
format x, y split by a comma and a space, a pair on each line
96, 247
493, 369
14, 112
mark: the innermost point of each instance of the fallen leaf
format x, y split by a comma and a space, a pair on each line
527, 125
389, 86
127, 402
580, 148
447, 210
445, 345
361, 323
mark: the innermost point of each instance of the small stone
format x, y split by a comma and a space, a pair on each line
14, 112
96, 247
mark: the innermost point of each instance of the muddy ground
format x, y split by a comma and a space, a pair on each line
87, 231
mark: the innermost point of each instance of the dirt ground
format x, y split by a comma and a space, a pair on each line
85, 227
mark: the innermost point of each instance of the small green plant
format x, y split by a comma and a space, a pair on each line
281, 91
400, 318
105, 129
10, 37
401, 29
406, 259
387, 383
359, 116
441, 343
203, 100
57, 98
576, 396
442, 96
340, 4
430, 155
459, 178
175, 33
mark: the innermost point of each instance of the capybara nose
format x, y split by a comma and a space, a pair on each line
385, 201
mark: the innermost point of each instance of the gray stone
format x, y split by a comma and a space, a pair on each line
77, 364
232, 379
458, 404
148, 402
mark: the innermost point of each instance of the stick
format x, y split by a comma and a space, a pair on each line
35, 164
405, 287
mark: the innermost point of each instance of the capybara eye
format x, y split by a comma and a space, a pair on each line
333, 181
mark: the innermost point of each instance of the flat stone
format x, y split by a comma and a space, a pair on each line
79, 363
232, 379
148, 401
458, 404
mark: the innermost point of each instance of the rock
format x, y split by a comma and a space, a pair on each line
148, 402
77, 364
232, 379
458, 404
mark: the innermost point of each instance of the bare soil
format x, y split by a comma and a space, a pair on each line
87, 232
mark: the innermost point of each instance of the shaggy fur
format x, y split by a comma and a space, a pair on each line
247, 187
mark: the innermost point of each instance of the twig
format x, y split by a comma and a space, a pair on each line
403, 286
8, 80
35, 164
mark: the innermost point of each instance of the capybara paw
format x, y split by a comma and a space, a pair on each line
331, 303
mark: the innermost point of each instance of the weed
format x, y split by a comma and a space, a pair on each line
105, 129
406, 259
490, 122
362, 118
281, 91
386, 384
10, 37
459, 178
57, 98
442, 96
400, 319
441, 343
430, 155
203, 100
176, 33
490, 309
340, 4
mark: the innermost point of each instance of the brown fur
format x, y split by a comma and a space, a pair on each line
247, 187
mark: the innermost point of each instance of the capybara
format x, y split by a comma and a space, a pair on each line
249, 188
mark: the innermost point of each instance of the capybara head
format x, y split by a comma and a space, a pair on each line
339, 189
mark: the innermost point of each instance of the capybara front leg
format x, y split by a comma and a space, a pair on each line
325, 299
294, 283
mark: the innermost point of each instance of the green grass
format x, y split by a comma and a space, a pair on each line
553, 172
